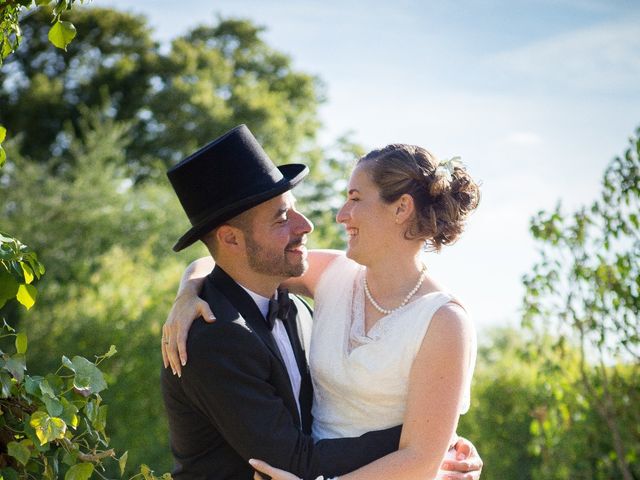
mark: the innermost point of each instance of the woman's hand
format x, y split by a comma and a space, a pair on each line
274, 473
186, 308
462, 462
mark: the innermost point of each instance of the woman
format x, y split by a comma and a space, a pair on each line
389, 346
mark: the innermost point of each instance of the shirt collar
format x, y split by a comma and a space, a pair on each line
261, 302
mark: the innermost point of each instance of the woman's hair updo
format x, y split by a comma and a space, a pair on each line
443, 192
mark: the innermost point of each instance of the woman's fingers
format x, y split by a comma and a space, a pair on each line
274, 473
176, 330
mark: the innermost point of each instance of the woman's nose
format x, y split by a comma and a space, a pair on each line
342, 215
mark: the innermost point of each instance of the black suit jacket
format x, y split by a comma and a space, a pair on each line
234, 400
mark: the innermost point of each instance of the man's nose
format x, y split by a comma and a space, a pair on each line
303, 225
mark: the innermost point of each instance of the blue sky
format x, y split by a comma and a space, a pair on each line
536, 96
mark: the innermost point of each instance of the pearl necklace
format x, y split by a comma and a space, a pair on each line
387, 311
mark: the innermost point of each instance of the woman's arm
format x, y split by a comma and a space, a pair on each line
188, 305
436, 385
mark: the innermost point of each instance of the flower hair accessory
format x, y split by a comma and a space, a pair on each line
447, 166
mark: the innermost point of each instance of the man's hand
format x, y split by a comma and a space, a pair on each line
461, 463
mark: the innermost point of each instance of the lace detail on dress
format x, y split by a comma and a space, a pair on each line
357, 335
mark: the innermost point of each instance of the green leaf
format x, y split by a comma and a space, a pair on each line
80, 471
19, 451
8, 474
100, 422
3, 156
47, 428
88, 378
5, 382
67, 363
55, 383
3, 133
70, 458
28, 273
21, 343
32, 384
69, 413
54, 407
122, 461
146, 472
27, 295
16, 366
8, 286
112, 351
46, 389
61, 34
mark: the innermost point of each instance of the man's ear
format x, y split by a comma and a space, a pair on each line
230, 238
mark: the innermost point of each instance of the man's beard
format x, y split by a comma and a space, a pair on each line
273, 263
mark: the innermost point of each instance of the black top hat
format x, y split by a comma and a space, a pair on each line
226, 177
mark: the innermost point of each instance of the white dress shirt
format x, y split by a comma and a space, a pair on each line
284, 345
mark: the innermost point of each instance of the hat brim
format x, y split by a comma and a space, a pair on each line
293, 174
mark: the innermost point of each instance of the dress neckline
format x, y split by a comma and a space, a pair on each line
355, 335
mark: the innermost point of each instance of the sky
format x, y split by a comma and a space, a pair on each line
537, 97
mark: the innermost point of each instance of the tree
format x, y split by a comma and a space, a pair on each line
107, 217
507, 390
53, 425
217, 76
213, 78
586, 288
109, 66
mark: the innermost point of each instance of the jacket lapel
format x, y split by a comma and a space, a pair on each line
299, 313
237, 297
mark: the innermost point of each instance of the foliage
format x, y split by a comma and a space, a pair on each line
60, 33
108, 235
586, 288
44, 89
212, 78
114, 279
19, 266
505, 393
53, 425
529, 416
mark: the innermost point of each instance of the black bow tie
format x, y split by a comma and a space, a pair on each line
278, 308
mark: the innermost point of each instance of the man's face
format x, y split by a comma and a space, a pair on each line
276, 237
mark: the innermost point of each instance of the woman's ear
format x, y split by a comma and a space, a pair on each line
404, 208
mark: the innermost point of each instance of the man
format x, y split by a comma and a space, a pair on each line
246, 391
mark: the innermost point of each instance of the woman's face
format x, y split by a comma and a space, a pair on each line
367, 219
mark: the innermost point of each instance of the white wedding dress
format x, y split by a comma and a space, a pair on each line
361, 381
